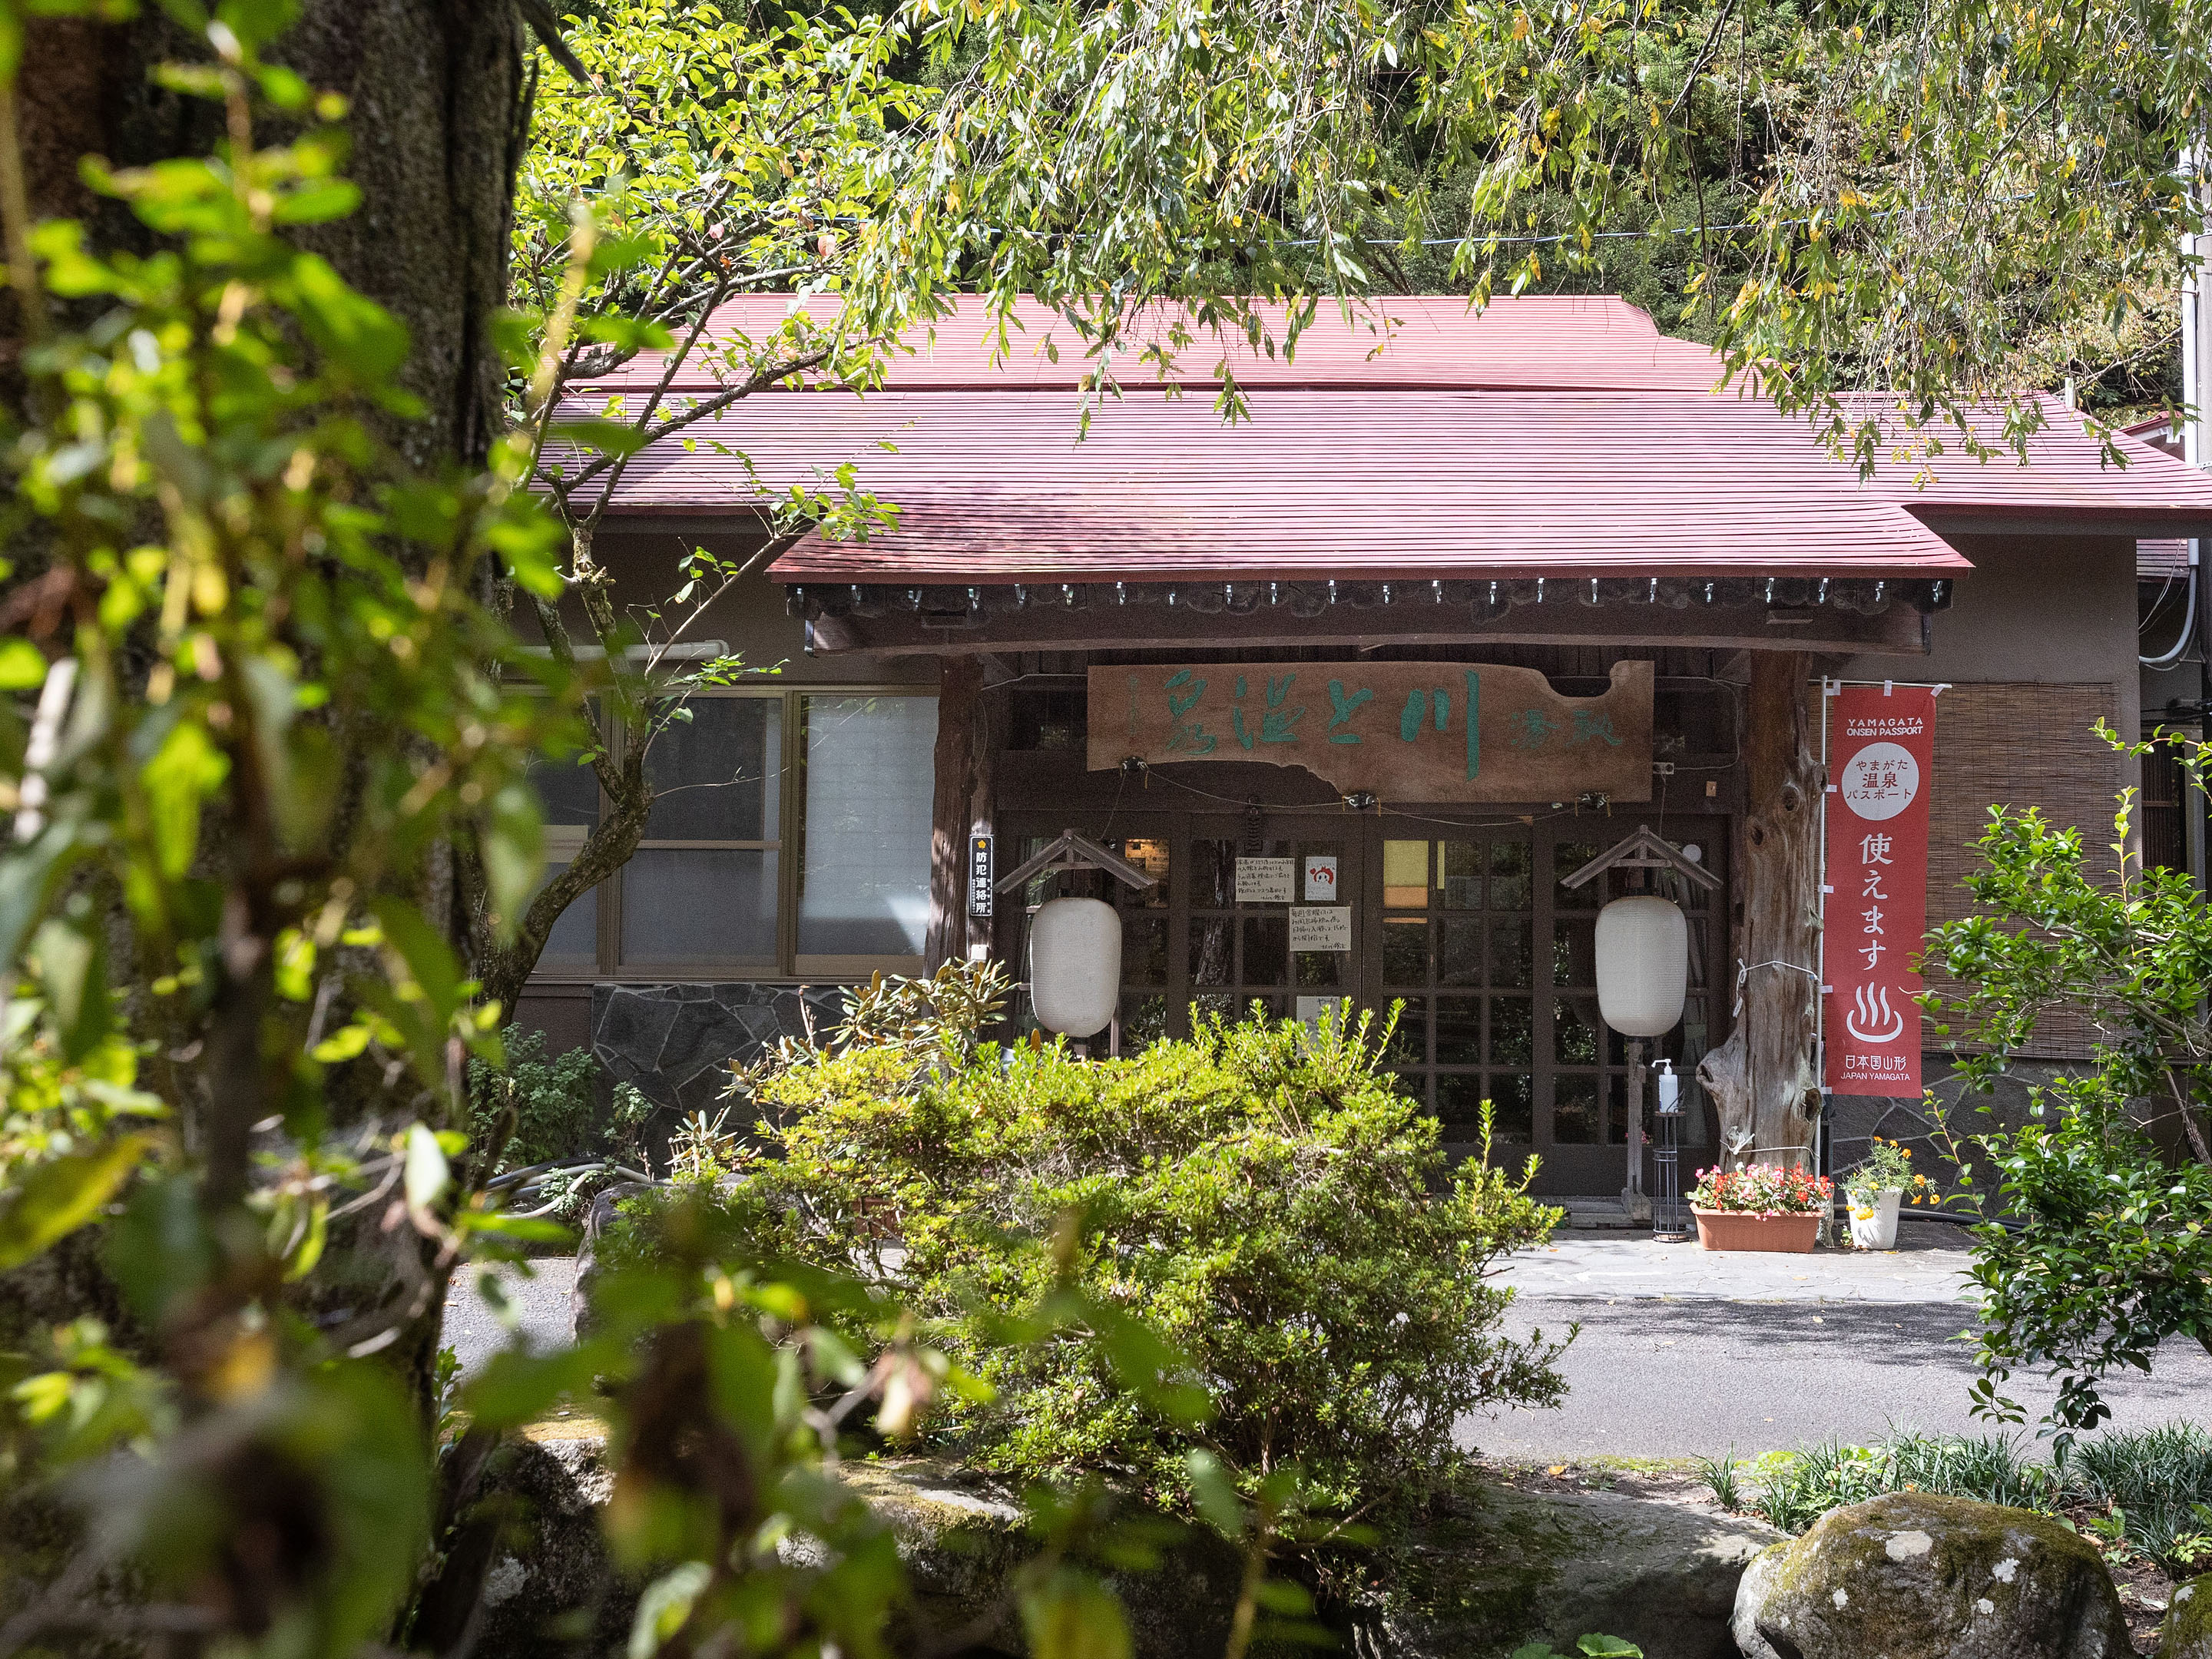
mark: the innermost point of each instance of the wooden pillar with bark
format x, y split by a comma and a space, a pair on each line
1763, 1080
963, 756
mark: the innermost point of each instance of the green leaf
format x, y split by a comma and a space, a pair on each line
630, 333
515, 1388
1071, 1616
22, 665
512, 846
664, 1605
319, 202
184, 771
430, 960
1215, 1493
73, 972
56, 1198
1609, 1647
615, 438
352, 331
426, 1171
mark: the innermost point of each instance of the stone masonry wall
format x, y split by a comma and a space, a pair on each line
675, 1042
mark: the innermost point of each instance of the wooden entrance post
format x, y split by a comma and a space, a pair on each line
960, 758
1763, 1079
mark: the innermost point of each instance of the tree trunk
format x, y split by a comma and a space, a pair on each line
952, 810
435, 93
1762, 1079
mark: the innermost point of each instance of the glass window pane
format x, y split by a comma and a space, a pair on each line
1574, 952
1462, 875
1210, 944
1150, 856
1320, 970
1574, 1111
575, 941
1405, 874
1568, 857
1510, 863
1212, 873
1511, 952
1575, 1032
863, 879
1459, 1096
683, 905
1460, 960
1266, 950
1459, 1031
1409, 1039
1512, 1032
1143, 1022
566, 792
1144, 950
716, 775
1405, 951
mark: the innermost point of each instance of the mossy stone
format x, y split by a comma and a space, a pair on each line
1487, 1570
2188, 1632
1915, 1576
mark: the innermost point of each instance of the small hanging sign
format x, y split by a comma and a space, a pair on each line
1265, 881
1320, 927
978, 877
1321, 880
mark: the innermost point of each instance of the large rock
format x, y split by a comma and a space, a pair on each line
2188, 1632
1490, 1572
1915, 1576
555, 1590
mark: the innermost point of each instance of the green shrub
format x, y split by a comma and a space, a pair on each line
557, 1117
1257, 1195
2148, 1491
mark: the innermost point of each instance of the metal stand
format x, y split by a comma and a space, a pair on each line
1670, 1216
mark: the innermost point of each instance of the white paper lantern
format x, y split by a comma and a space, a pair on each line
1075, 965
1643, 965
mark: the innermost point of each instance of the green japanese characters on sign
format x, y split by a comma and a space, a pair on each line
1411, 730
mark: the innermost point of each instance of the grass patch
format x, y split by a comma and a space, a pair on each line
2144, 1492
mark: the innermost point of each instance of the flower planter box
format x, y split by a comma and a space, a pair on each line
1745, 1229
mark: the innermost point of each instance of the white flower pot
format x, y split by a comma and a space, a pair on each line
1878, 1231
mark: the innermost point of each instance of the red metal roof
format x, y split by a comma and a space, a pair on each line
1566, 343
1553, 436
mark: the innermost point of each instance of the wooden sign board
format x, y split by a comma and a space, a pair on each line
1406, 731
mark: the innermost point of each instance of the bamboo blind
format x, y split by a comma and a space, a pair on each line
2021, 746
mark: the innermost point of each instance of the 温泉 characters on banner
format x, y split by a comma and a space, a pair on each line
1881, 752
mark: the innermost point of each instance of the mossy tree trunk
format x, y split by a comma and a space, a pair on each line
436, 95
1763, 1079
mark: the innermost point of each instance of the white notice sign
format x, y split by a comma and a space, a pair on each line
1310, 1009
1265, 881
1320, 927
1321, 880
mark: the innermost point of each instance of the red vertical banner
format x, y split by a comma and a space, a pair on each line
1873, 909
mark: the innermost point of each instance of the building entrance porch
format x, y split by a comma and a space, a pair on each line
1463, 948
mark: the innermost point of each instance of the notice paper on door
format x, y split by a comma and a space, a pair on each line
1320, 927
1265, 881
1321, 880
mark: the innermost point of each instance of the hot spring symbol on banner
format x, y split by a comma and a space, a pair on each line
1874, 906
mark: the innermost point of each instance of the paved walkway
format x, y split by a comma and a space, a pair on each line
1926, 1267
1687, 1353
1681, 1352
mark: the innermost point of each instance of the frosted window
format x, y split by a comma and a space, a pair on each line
686, 905
864, 881
574, 941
